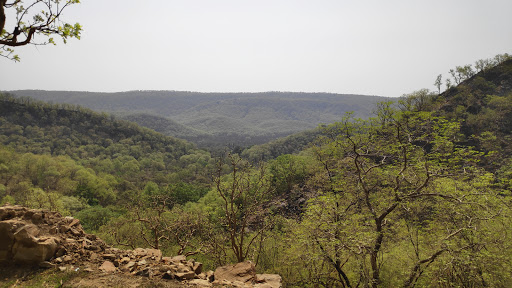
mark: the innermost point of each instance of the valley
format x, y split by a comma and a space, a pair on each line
418, 194
218, 119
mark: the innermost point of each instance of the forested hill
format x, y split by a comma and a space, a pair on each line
122, 156
481, 101
220, 118
417, 196
26, 122
482, 104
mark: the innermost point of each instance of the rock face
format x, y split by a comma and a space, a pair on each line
22, 241
46, 239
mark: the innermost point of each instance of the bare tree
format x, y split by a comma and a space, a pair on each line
243, 196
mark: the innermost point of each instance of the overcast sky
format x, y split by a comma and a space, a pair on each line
378, 47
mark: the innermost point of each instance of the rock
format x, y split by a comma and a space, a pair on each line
37, 218
67, 258
46, 265
40, 250
26, 235
68, 219
91, 237
129, 267
200, 283
6, 240
76, 232
63, 268
142, 263
185, 275
168, 275
226, 283
148, 253
243, 272
210, 275
107, 267
146, 272
109, 256
179, 258
183, 268
166, 259
70, 241
27, 232
198, 267
154, 253
60, 252
268, 281
73, 222
93, 248
165, 268
124, 260
63, 229
112, 251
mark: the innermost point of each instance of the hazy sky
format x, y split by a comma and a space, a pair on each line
378, 47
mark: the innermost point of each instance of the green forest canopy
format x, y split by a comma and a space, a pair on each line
418, 195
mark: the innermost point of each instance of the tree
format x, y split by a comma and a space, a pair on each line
461, 73
448, 83
419, 100
399, 183
36, 23
439, 82
244, 195
484, 65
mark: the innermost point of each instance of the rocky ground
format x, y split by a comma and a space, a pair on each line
31, 240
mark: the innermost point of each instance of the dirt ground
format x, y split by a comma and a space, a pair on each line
34, 277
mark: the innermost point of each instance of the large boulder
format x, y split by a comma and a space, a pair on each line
21, 240
6, 238
42, 249
244, 272
268, 281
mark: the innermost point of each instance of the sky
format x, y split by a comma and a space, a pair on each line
384, 48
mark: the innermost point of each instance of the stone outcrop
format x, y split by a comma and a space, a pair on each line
46, 239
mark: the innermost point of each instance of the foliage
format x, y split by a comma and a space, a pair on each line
92, 218
36, 19
400, 197
243, 196
462, 73
418, 196
218, 119
482, 105
153, 223
131, 154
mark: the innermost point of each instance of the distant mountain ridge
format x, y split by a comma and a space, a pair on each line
221, 118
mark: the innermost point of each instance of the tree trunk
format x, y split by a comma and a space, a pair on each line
375, 254
2, 15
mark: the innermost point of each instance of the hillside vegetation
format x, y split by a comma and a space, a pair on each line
93, 159
417, 196
218, 118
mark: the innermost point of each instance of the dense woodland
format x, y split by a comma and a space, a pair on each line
419, 195
218, 119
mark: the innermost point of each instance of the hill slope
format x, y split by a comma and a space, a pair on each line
114, 157
243, 118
